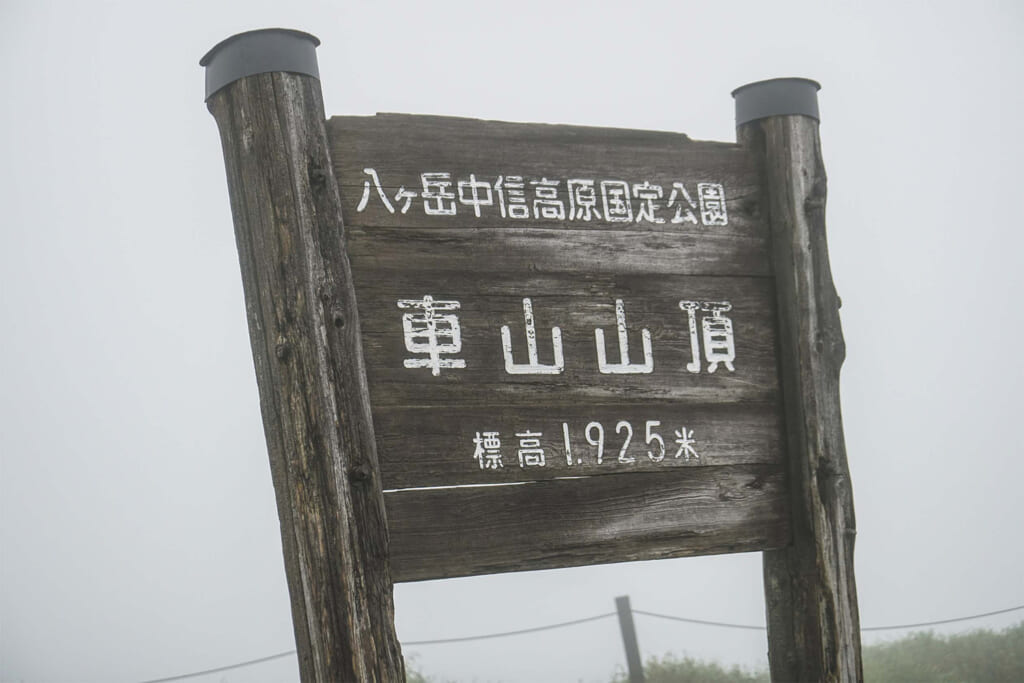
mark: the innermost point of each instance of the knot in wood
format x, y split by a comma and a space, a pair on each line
360, 473
317, 177
751, 207
338, 317
283, 350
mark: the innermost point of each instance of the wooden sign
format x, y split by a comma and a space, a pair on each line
486, 347
589, 311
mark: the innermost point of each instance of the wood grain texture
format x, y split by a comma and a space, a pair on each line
545, 250
401, 147
420, 447
573, 270
304, 330
466, 531
578, 305
813, 620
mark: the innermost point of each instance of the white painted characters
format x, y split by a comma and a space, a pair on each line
475, 193
488, 450
433, 328
365, 200
438, 198
518, 197
431, 333
593, 444
624, 367
719, 341
531, 454
712, 204
547, 203
533, 366
512, 196
684, 205
582, 200
615, 199
684, 439
650, 198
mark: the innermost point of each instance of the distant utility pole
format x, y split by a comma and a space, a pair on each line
636, 667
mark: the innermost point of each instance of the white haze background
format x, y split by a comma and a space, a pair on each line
138, 529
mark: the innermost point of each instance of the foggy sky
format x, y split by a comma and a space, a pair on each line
138, 529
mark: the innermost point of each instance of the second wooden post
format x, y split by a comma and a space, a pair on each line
810, 592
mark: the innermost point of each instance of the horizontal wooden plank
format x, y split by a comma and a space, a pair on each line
421, 447
545, 250
577, 305
472, 133
702, 194
438, 533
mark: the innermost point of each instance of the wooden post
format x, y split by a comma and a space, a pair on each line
633, 661
263, 90
811, 596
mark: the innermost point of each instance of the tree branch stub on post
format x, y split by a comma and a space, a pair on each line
263, 90
810, 591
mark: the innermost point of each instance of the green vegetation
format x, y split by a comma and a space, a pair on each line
414, 675
973, 657
668, 669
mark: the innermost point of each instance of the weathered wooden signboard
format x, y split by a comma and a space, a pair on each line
486, 347
586, 311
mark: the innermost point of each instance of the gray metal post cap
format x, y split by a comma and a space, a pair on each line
776, 97
259, 52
